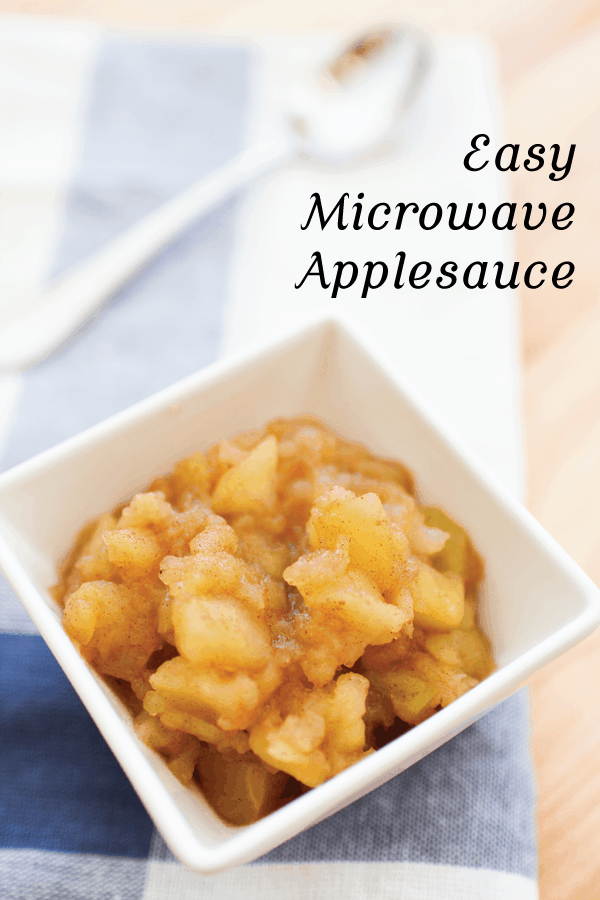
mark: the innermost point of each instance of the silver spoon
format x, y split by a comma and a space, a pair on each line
345, 109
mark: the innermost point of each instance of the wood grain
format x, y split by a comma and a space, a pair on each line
549, 55
561, 341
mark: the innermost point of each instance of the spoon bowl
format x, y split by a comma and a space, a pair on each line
348, 105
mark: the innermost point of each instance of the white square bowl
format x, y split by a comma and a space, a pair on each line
535, 601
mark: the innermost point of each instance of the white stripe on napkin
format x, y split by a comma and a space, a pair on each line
44, 68
338, 881
39, 874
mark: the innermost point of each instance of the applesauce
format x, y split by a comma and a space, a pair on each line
275, 609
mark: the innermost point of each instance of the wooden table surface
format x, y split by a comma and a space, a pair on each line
549, 54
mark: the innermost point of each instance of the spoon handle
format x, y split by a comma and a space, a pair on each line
56, 312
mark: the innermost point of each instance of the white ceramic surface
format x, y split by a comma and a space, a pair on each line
535, 600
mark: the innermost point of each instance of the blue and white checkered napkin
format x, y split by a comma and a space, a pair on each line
458, 824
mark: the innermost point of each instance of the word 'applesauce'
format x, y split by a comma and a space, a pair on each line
274, 610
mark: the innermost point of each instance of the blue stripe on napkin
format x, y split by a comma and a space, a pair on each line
61, 788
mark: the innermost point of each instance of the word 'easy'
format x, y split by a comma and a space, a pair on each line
507, 158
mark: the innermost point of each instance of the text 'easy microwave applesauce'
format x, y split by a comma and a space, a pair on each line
275, 609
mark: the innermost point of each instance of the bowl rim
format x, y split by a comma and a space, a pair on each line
245, 844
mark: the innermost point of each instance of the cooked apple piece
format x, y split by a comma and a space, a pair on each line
439, 599
240, 788
216, 629
250, 485
376, 546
